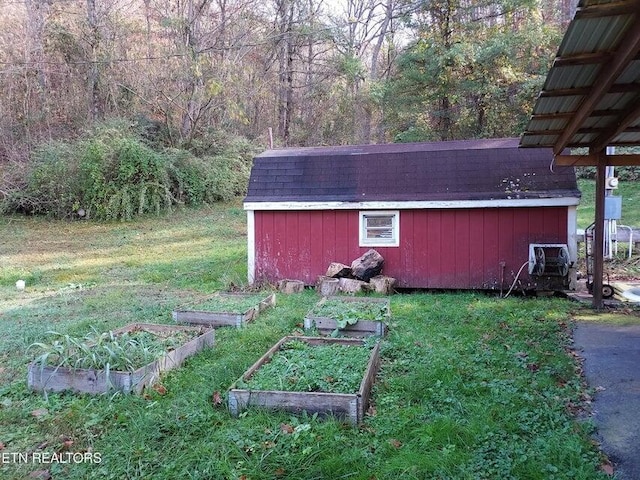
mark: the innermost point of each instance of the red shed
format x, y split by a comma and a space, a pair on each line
450, 215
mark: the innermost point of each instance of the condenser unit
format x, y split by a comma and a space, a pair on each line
549, 259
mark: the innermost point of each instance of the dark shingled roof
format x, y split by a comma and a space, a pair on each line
491, 169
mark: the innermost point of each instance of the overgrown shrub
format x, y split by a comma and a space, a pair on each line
124, 178
188, 182
115, 174
47, 185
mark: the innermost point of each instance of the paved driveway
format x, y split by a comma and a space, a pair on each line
611, 356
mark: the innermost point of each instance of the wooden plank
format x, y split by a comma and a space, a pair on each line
493, 257
592, 160
350, 406
477, 270
212, 319
360, 329
222, 318
462, 238
264, 358
317, 264
598, 237
433, 270
305, 265
57, 379
364, 393
336, 404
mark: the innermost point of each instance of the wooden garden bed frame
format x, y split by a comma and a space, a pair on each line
57, 379
225, 319
350, 406
360, 329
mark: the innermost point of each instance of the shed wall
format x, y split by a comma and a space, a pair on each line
439, 248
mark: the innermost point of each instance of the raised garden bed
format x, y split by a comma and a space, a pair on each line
226, 309
310, 374
349, 316
127, 359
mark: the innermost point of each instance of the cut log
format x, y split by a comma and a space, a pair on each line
327, 286
290, 286
367, 266
382, 284
338, 270
351, 285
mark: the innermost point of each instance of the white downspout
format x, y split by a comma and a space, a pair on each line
251, 247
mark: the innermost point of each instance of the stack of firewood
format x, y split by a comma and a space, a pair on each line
364, 274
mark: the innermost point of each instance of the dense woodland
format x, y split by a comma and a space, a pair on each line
200, 75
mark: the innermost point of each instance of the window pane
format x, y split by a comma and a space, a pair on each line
380, 233
379, 221
379, 228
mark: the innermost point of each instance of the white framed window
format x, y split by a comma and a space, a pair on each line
380, 228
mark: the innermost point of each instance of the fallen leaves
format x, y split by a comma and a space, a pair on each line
286, 428
395, 443
533, 367
607, 468
160, 389
66, 442
40, 474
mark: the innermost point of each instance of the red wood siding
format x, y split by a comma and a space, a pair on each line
448, 248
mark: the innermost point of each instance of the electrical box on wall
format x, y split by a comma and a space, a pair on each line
612, 207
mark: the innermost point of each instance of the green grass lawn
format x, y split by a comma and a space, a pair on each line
470, 386
630, 193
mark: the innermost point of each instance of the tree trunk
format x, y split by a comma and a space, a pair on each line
286, 48
93, 76
327, 286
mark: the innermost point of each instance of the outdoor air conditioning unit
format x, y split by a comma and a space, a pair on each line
549, 259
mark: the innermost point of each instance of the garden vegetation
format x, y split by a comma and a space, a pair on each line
470, 386
118, 172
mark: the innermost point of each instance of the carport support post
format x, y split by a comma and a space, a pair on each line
598, 238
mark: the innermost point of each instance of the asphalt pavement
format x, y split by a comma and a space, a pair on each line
611, 356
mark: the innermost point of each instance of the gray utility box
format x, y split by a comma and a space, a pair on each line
612, 207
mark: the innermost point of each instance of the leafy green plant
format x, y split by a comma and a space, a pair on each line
107, 351
300, 367
350, 312
124, 178
49, 185
115, 173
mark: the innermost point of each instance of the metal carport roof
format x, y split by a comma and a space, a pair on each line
591, 99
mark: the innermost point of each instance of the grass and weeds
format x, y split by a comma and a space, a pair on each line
630, 193
300, 367
125, 352
229, 303
349, 312
620, 267
470, 386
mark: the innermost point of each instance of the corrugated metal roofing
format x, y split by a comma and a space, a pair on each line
493, 169
591, 97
